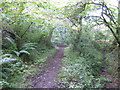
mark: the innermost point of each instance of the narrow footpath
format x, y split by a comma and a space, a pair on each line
46, 78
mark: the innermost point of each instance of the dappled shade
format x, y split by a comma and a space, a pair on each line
60, 43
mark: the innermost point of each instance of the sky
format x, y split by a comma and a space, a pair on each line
62, 3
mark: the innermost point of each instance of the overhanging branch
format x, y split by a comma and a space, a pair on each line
26, 29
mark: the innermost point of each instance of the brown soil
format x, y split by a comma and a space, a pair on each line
46, 78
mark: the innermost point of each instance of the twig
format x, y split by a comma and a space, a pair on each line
26, 30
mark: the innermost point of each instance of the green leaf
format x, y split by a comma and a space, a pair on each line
16, 53
10, 40
5, 58
24, 52
3, 75
7, 69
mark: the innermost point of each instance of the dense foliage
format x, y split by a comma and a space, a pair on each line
30, 29
24, 38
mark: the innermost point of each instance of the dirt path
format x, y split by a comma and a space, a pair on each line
113, 81
46, 78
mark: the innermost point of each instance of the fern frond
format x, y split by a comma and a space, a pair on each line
24, 52
7, 69
3, 75
5, 58
28, 46
16, 53
9, 39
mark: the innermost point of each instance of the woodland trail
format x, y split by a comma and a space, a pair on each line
113, 81
46, 78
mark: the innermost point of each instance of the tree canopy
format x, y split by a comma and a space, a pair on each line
31, 30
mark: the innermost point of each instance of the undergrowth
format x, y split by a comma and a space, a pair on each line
20, 70
77, 72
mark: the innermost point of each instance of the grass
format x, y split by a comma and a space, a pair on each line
76, 72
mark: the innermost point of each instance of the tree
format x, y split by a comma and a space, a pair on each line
118, 32
118, 28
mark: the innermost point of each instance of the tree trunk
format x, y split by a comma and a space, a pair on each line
118, 29
77, 39
49, 37
118, 33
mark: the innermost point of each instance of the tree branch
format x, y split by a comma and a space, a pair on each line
72, 22
107, 24
26, 29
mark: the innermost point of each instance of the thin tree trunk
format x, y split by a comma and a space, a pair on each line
118, 29
118, 33
49, 37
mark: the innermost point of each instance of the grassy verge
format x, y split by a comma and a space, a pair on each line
77, 73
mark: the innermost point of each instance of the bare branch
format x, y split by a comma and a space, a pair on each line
26, 29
